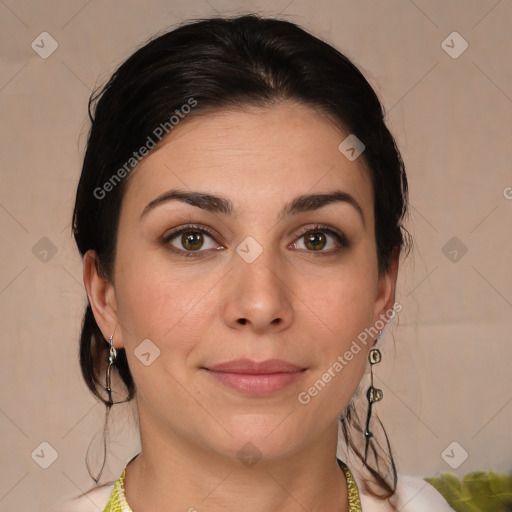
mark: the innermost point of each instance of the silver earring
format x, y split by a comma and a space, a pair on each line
111, 361
373, 394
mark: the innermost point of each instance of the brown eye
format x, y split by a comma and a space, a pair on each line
315, 241
192, 240
188, 240
322, 240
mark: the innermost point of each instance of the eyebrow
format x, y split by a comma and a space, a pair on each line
216, 204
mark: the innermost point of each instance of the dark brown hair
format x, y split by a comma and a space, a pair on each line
222, 63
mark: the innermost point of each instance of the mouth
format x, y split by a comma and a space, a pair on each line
256, 378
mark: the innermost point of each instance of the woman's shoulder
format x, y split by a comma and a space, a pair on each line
417, 495
91, 501
413, 494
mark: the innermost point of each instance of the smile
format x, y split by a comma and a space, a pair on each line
256, 378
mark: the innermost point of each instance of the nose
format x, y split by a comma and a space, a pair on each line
258, 297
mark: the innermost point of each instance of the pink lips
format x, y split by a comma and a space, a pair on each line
257, 378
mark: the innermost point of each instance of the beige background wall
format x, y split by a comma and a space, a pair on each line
446, 368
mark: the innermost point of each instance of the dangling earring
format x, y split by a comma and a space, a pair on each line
373, 394
111, 360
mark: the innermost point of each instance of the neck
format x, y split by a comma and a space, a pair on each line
172, 475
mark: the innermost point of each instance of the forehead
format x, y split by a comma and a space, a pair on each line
259, 154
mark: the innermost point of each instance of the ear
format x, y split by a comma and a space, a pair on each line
101, 295
385, 298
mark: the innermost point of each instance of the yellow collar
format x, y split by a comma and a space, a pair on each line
118, 503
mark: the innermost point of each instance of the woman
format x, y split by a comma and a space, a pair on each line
240, 217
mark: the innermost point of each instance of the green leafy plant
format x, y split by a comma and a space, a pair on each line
479, 491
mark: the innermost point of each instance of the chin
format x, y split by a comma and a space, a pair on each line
255, 437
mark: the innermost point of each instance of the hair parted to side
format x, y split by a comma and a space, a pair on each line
226, 63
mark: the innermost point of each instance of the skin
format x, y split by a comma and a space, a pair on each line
302, 305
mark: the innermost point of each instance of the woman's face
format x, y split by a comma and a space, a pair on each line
272, 268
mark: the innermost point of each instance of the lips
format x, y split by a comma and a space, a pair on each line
254, 367
256, 378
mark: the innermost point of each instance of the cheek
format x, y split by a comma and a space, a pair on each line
343, 306
163, 309
344, 299
153, 303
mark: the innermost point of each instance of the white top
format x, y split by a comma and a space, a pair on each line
413, 494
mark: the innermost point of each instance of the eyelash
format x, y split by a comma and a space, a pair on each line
339, 236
